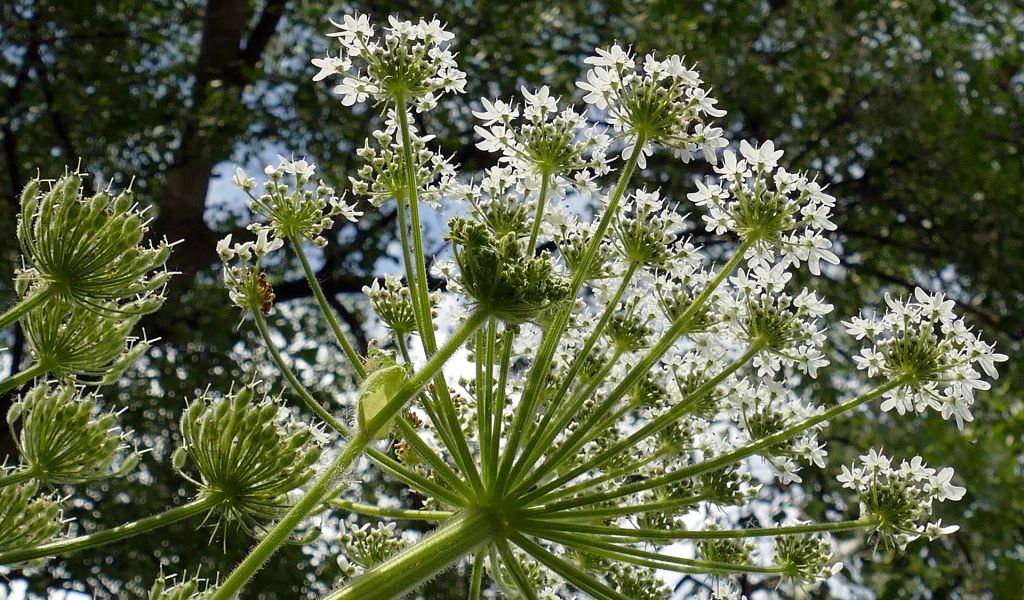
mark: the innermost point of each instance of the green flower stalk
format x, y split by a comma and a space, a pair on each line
64, 438
90, 251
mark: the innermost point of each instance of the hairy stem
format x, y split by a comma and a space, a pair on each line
21, 377
392, 513
325, 308
114, 534
26, 304
426, 559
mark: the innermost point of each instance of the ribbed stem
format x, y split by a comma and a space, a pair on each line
17, 477
21, 377
421, 561
107, 536
25, 305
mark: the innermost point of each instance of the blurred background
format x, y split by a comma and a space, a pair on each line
912, 111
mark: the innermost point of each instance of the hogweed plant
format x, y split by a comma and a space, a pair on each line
620, 379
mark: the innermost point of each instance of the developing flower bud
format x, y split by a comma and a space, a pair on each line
499, 277
64, 437
25, 520
88, 251
248, 453
187, 589
95, 347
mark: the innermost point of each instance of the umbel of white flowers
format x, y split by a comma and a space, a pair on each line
620, 377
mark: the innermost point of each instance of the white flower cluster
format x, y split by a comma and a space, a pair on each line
383, 177
663, 104
761, 312
779, 211
932, 354
546, 140
410, 62
291, 211
900, 499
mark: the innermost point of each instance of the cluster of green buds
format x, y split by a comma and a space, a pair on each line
385, 174
64, 438
367, 546
248, 453
27, 520
499, 277
89, 251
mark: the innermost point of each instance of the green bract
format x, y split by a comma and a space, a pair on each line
89, 251
248, 454
65, 439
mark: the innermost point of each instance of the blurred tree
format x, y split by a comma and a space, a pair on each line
911, 110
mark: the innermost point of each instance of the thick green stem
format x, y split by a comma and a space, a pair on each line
423, 560
518, 576
25, 305
326, 482
382, 460
538, 215
21, 377
107, 536
477, 578
17, 477
325, 307
393, 513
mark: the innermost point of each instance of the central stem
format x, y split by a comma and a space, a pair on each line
424, 559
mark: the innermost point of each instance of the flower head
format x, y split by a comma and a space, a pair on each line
936, 360
409, 62
900, 500
89, 251
64, 437
661, 103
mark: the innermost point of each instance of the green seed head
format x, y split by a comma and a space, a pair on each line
64, 438
248, 453
89, 250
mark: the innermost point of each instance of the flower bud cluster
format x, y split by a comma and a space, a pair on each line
249, 454
366, 546
393, 304
94, 347
27, 520
496, 274
89, 251
64, 438
292, 211
780, 212
408, 62
900, 499
549, 141
663, 104
384, 176
930, 351
646, 231
807, 559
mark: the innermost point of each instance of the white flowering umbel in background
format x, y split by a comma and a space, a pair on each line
622, 376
